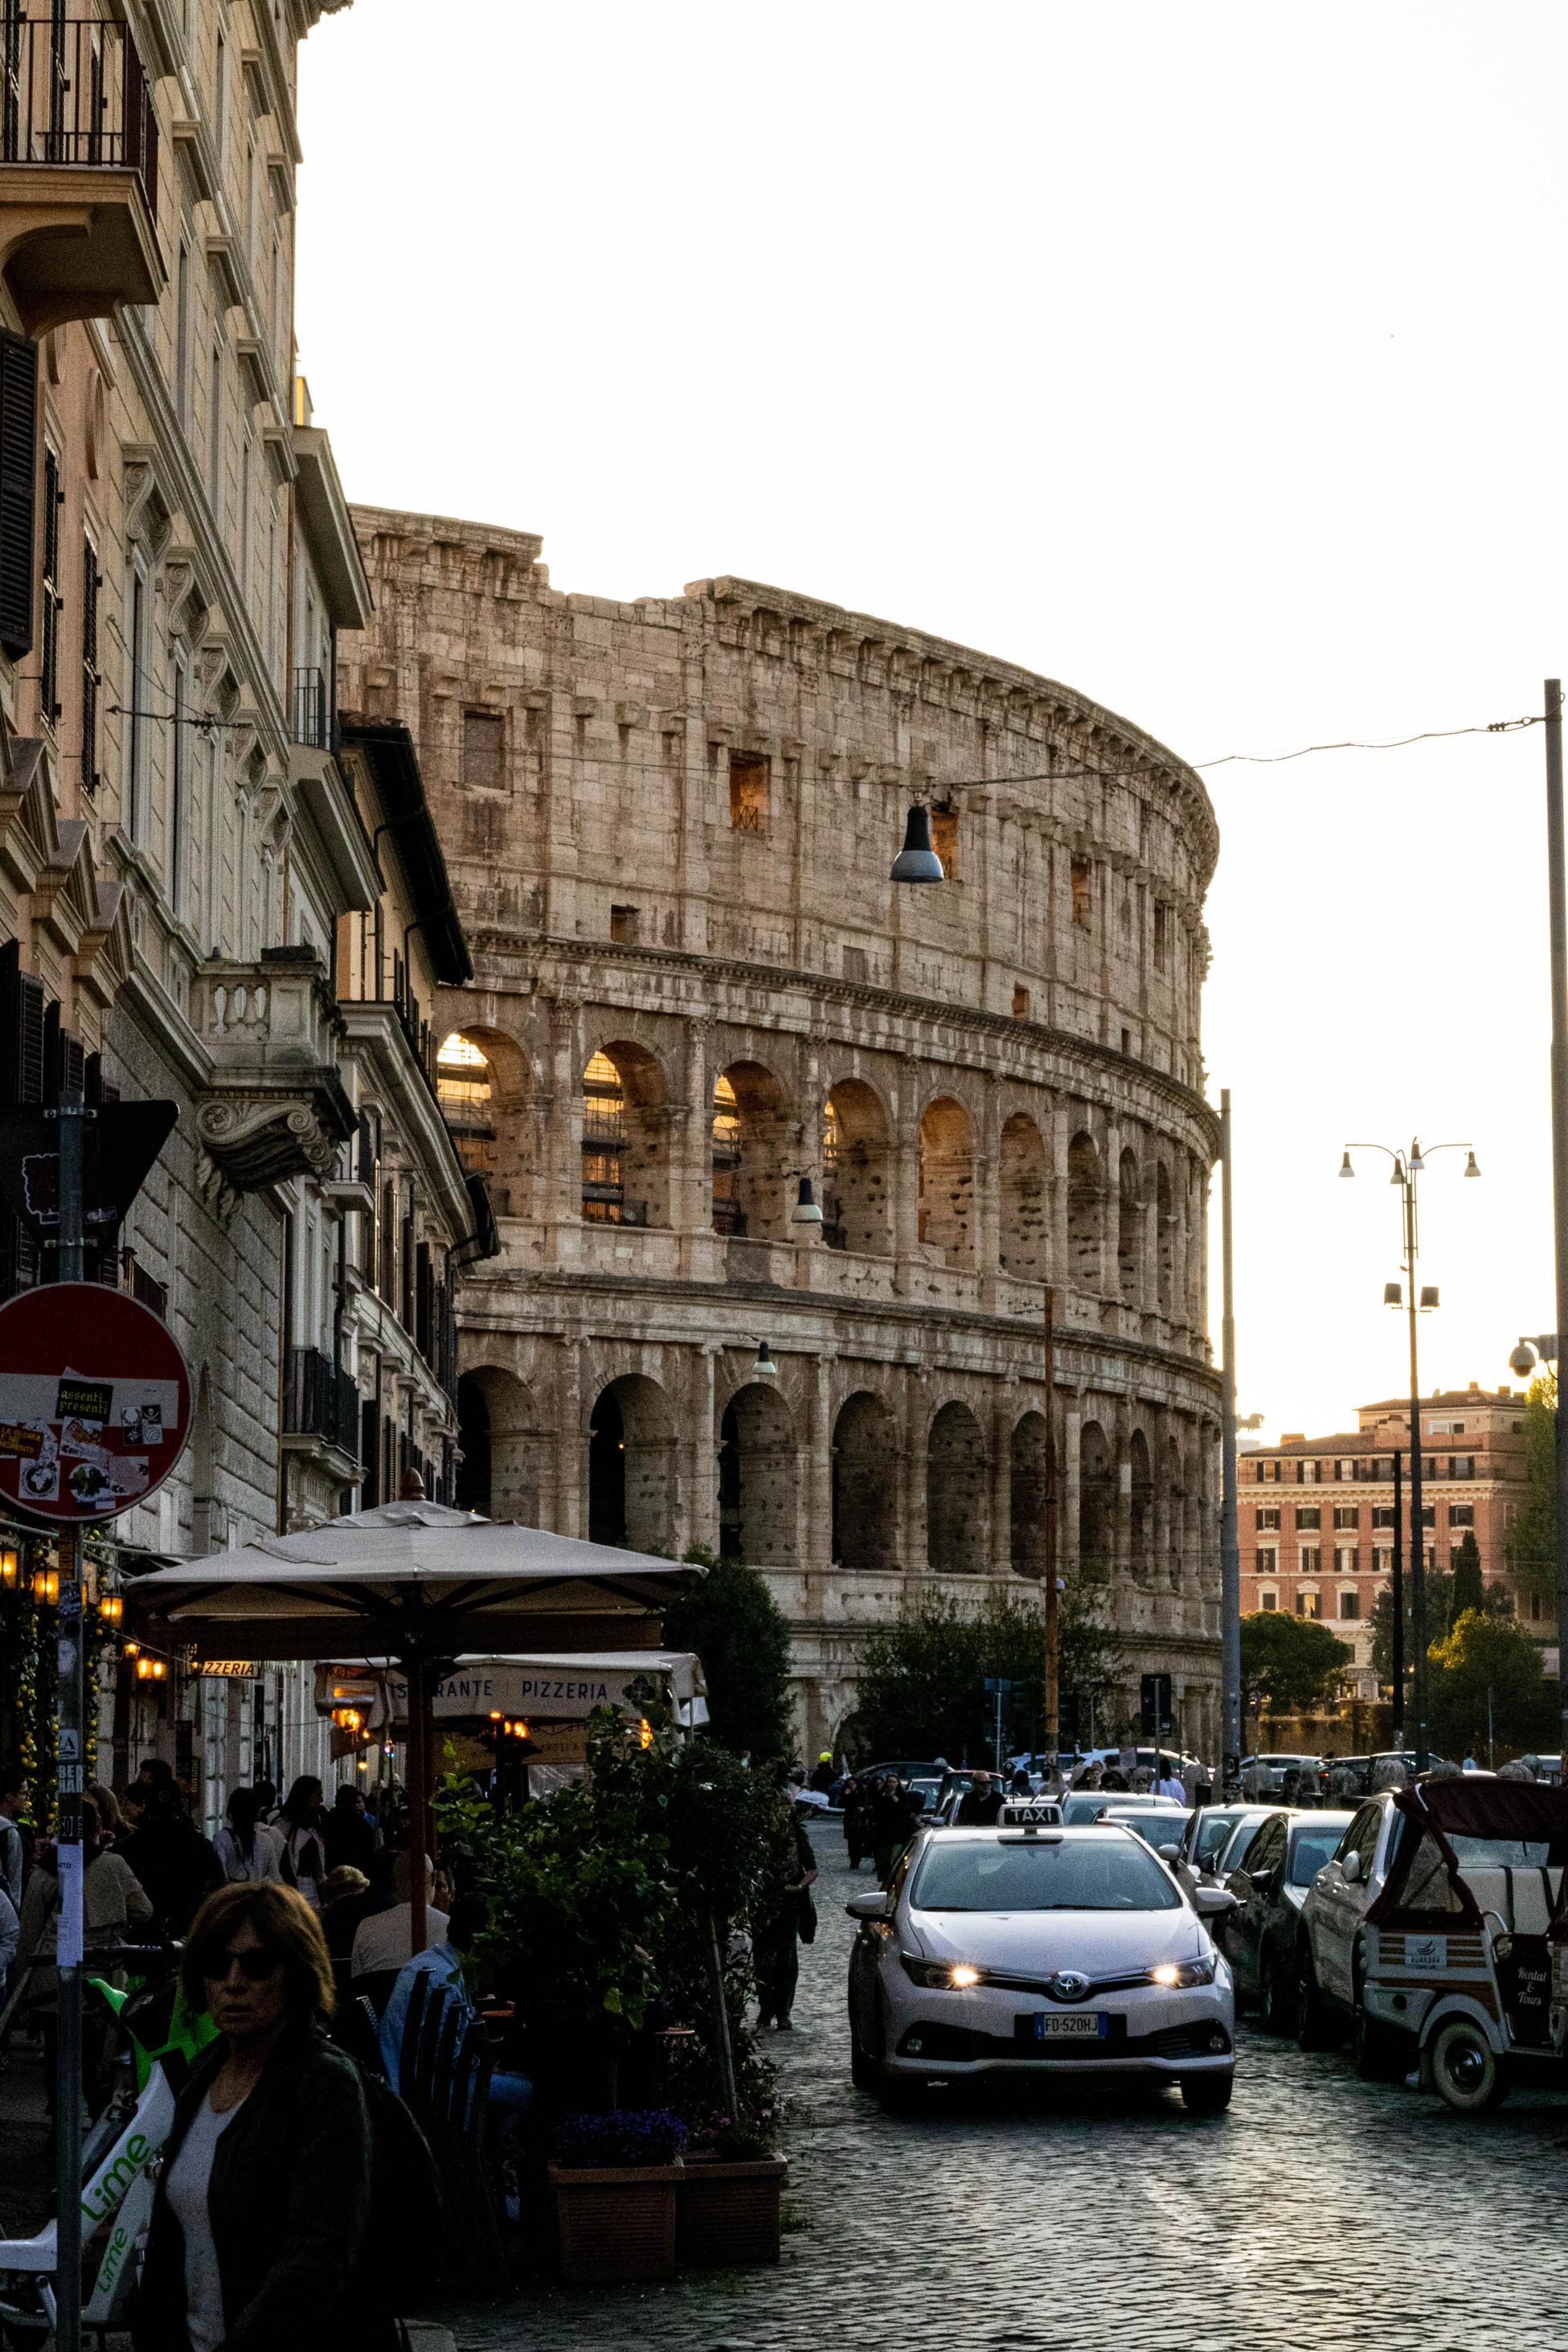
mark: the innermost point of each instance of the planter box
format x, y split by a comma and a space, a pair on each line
729, 2212
615, 2223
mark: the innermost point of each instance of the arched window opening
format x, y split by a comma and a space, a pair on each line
1096, 1502
1084, 1204
728, 1216
498, 1434
465, 1089
603, 1138
855, 1206
1164, 1218
625, 1153
948, 1182
1025, 1221
757, 1481
746, 1142
631, 1466
956, 1518
1141, 1514
1129, 1228
864, 1485
1031, 1448
1176, 1518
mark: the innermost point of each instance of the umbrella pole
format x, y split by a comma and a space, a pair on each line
418, 1798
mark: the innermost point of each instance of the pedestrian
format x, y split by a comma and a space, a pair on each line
822, 1774
1290, 1786
383, 1942
299, 1819
16, 1796
1169, 1782
247, 1848
263, 2204
894, 1814
1113, 1778
113, 1827
447, 1964
113, 1899
346, 1835
174, 1861
854, 1821
1089, 1776
776, 1931
267, 1801
349, 1895
980, 1804
1020, 1786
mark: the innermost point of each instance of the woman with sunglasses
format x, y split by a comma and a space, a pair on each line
264, 2198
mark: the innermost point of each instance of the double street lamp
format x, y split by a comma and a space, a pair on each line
1408, 1168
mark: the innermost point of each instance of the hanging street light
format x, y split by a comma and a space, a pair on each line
764, 1368
918, 861
806, 1211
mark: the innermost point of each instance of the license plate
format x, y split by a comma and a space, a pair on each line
1077, 2025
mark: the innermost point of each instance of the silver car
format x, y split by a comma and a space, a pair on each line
999, 1950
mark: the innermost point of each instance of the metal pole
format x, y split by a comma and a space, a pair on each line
1052, 1597
70, 1751
418, 1798
1230, 1541
1396, 1583
1418, 1521
1558, 921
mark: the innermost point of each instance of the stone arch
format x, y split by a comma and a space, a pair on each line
1129, 1228
865, 1485
625, 1138
857, 1212
1025, 1223
632, 1465
948, 1180
1141, 1505
1030, 1452
1084, 1201
1165, 1223
748, 1142
1096, 1502
955, 1493
757, 1477
500, 1435
481, 1084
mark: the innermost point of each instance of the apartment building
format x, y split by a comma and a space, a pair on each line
1317, 1515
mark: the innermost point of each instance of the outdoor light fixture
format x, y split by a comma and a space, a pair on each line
1392, 1295
112, 1609
149, 1670
46, 1585
1417, 1165
348, 1718
1543, 1348
10, 1566
1344, 1167
132, 1649
764, 1368
804, 1211
918, 861
1428, 1296
644, 1732
1470, 1167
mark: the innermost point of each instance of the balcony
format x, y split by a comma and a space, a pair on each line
275, 1105
78, 171
320, 1401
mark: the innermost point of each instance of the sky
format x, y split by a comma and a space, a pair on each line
1209, 358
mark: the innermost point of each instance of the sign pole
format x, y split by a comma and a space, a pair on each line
70, 1761
1053, 1596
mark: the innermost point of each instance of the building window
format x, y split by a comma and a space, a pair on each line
1021, 1004
1161, 936
855, 965
465, 1089
1347, 1515
1268, 1601
1309, 1604
91, 581
1461, 1515
1309, 1473
1349, 1603
625, 926
748, 792
604, 1137
1347, 1470
1267, 1515
1445, 1429
1308, 1514
483, 750
1382, 1515
1536, 1612
1309, 1559
136, 740
1461, 1466
1381, 1559
1083, 892
1265, 1562
53, 596
1346, 1560
728, 1216
215, 432
180, 812
945, 840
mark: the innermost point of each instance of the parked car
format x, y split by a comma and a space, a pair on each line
1082, 1806
1158, 1821
996, 1950
1259, 1937
1312, 1769
1204, 1835
1362, 1767
1232, 1855
932, 1770
1331, 1960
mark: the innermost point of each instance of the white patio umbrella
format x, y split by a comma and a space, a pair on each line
416, 1583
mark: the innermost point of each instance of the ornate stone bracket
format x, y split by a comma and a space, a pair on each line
255, 1139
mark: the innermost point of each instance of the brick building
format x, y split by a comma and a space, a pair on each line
1317, 1514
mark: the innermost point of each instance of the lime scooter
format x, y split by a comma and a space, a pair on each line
120, 2161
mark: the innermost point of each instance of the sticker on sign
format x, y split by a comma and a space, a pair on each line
95, 1402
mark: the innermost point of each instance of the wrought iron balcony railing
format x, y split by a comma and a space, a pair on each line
73, 93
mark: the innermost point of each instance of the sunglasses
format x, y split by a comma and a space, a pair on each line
256, 1966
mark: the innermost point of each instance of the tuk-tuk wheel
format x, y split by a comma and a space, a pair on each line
1465, 2070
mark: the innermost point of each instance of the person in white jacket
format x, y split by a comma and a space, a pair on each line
246, 1847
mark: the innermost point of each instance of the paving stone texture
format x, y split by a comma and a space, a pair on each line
1322, 2212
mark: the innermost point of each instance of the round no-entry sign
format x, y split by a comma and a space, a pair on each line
95, 1402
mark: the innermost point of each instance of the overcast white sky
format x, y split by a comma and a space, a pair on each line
1207, 357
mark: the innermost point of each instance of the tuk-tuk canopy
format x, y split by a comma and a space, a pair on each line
1470, 1806
1506, 1820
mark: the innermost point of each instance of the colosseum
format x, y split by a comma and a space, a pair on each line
669, 825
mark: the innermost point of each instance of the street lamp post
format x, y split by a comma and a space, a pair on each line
1408, 1166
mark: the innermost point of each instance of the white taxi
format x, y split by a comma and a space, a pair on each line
1004, 1950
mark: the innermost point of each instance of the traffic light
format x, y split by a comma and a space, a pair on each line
1154, 1707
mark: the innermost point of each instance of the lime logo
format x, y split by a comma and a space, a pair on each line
105, 2191
115, 2255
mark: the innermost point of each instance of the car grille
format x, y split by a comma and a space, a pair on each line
960, 2045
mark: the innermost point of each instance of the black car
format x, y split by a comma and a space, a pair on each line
1259, 1937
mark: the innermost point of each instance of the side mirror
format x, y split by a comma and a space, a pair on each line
1213, 1902
869, 1908
1169, 1853
1350, 1870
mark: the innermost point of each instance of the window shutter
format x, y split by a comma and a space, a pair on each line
21, 1030
19, 490
89, 677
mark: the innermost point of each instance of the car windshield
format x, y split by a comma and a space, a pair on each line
1312, 1849
1212, 1833
1155, 1829
1042, 1874
1086, 1806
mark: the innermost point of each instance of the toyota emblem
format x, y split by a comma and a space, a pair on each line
1067, 1984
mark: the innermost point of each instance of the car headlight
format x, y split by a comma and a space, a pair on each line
1185, 1972
940, 1975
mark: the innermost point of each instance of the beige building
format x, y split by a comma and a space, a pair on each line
669, 826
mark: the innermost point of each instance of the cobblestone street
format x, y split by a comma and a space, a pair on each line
1322, 2211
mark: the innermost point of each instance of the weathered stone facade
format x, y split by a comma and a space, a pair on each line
669, 826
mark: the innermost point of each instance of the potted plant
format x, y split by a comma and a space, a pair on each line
727, 2195
613, 2181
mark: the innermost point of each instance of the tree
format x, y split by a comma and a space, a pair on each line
1468, 1592
1289, 1664
1488, 1657
920, 1689
1496, 1602
737, 1630
1530, 1541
